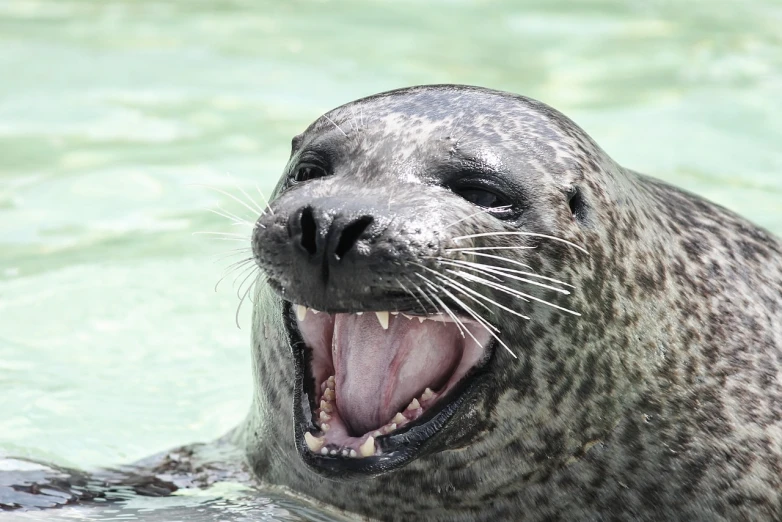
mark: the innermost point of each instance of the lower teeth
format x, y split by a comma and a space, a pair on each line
317, 444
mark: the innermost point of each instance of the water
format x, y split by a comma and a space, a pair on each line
113, 344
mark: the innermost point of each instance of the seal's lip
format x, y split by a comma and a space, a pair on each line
393, 448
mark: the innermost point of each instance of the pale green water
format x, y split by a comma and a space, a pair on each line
113, 344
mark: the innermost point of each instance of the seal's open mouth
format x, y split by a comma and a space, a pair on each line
375, 386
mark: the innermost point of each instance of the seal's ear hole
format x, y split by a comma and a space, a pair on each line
578, 207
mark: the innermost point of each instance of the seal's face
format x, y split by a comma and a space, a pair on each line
408, 240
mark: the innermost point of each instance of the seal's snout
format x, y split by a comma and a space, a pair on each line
325, 238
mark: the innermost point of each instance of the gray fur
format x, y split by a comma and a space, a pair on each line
662, 401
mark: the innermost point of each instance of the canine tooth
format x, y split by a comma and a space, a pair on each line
399, 418
328, 394
353, 453
368, 448
428, 394
324, 451
325, 427
313, 443
301, 312
383, 318
325, 416
414, 405
326, 406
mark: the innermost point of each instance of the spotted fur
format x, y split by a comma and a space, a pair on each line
662, 401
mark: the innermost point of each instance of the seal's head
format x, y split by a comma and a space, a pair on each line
425, 247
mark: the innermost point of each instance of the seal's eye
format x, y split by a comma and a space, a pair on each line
308, 171
482, 197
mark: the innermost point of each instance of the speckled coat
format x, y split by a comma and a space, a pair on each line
662, 401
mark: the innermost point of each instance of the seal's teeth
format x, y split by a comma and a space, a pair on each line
353, 453
399, 418
382, 317
421, 319
368, 448
326, 406
314, 311
314, 443
407, 316
394, 313
324, 417
391, 427
428, 394
359, 313
331, 383
324, 451
329, 394
414, 405
301, 312
325, 427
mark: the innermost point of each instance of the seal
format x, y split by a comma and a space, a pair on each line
475, 314
466, 310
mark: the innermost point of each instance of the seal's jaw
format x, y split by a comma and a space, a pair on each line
375, 389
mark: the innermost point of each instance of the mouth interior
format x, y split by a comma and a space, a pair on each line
376, 372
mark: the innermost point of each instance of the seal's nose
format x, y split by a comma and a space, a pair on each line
325, 239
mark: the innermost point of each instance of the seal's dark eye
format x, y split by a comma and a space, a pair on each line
308, 171
481, 197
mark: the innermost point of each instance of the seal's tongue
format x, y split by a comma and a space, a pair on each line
379, 371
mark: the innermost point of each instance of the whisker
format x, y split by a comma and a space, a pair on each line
511, 291
239, 307
335, 125
229, 216
249, 199
486, 271
421, 292
502, 268
224, 234
478, 249
245, 205
248, 276
512, 261
477, 294
227, 273
266, 201
484, 211
480, 321
528, 234
411, 293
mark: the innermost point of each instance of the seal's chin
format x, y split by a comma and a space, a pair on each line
374, 388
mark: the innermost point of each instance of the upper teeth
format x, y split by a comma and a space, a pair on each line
382, 317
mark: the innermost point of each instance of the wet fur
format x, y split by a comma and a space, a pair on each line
662, 401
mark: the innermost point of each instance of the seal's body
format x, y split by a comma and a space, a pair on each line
661, 400
468, 311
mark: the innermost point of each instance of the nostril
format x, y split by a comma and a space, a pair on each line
350, 235
308, 231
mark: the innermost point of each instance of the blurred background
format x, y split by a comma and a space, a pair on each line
113, 343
